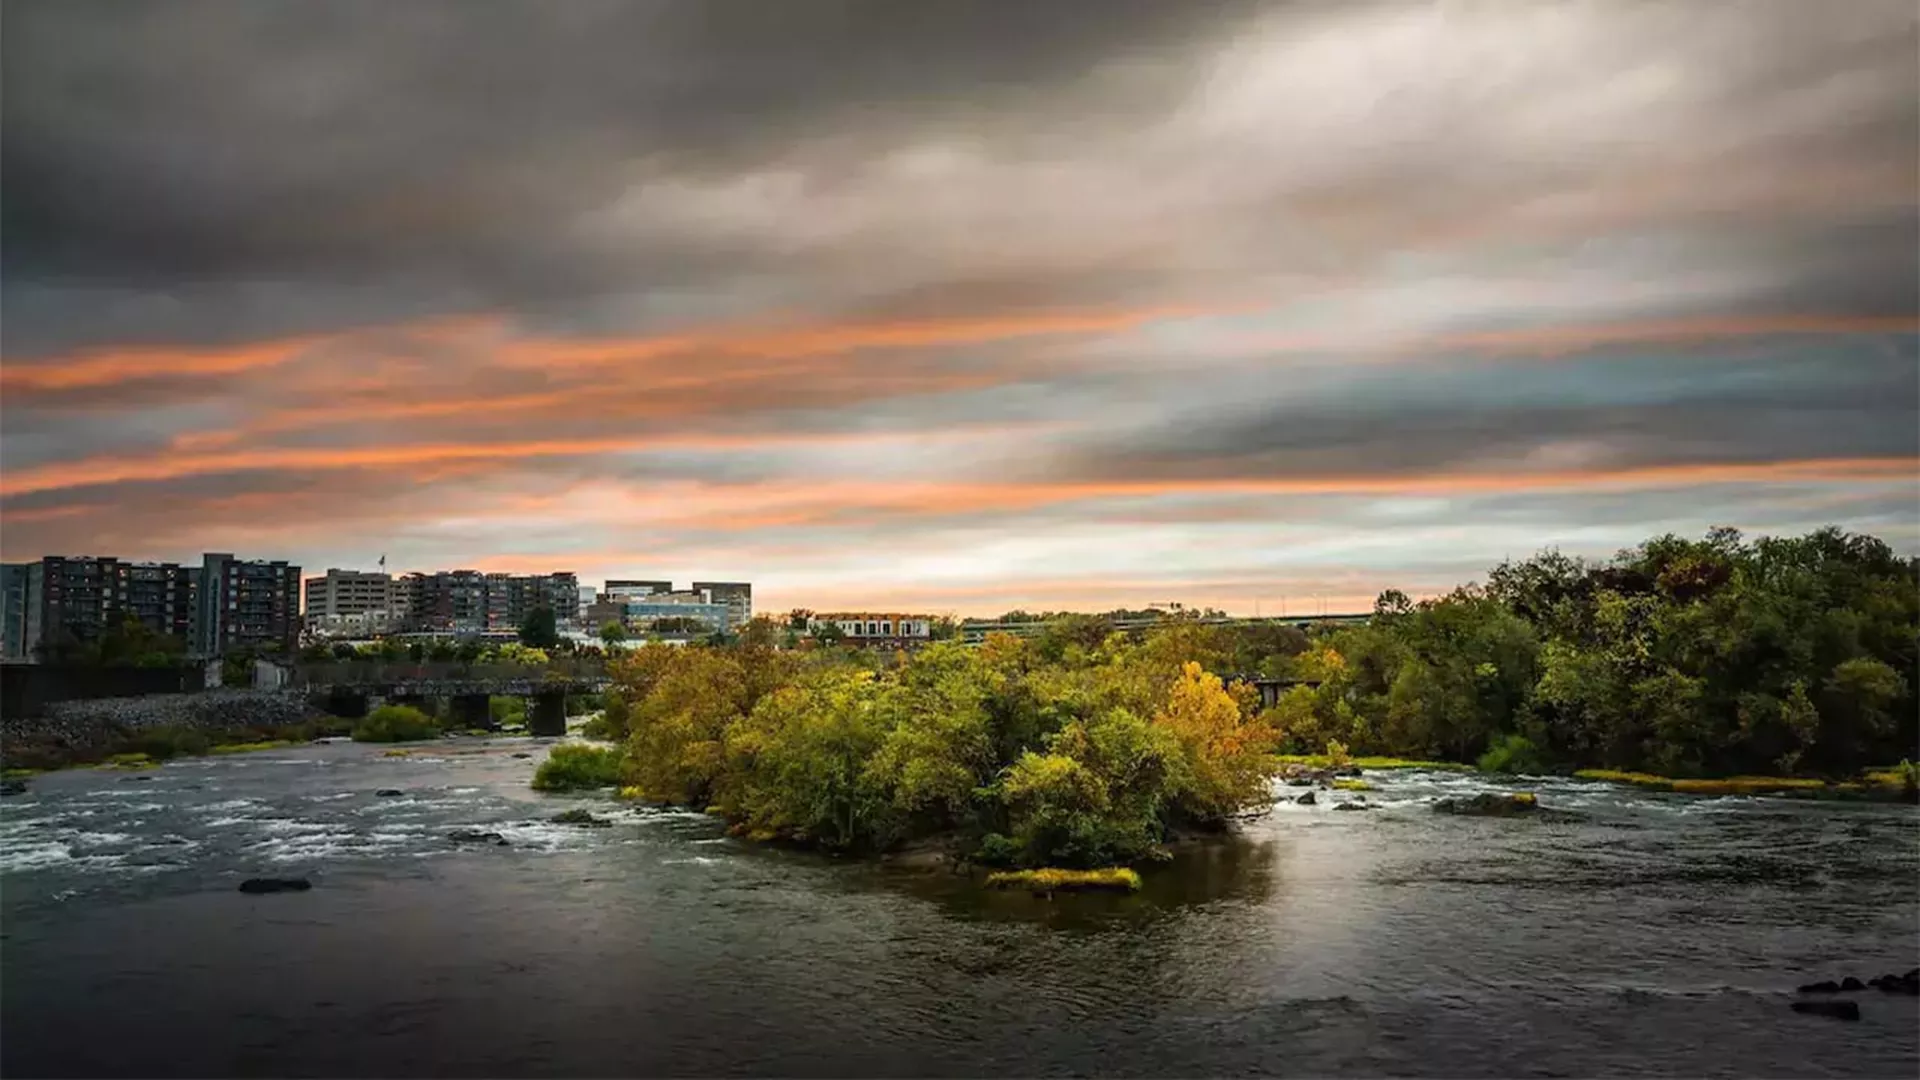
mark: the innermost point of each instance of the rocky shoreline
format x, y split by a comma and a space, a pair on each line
74, 729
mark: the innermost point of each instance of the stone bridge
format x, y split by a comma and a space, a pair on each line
1270, 689
353, 686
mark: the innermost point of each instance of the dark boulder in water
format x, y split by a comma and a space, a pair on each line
272, 885
1490, 804
582, 817
1898, 984
1839, 1010
521, 753
1824, 986
388, 793
1850, 984
13, 787
1306, 800
1353, 806
475, 836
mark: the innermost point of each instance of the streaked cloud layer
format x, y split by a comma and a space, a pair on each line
956, 306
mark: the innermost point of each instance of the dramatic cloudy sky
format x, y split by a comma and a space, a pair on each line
956, 306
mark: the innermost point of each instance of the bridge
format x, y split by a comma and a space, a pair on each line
975, 633
354, 686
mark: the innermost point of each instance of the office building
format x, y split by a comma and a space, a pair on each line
633, 590
736, 595
246, 604
350, 592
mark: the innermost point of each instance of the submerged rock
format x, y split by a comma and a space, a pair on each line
1850, 984
475, 836
1490, 804
13, 787
1306, 800
1839, 1010
1353, 806
388, 792
273, 885
521, 753
582, 817
1824, 986
1897, 984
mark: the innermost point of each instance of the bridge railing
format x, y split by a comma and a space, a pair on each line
378, 673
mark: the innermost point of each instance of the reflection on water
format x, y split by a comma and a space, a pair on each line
1656, 935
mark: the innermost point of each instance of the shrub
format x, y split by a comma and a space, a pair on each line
574, 766
1337, 754
1512, 754
507, 710
395, 723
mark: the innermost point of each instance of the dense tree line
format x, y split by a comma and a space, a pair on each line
1711, 657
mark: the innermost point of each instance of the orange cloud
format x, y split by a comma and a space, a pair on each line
173, 466
103, 367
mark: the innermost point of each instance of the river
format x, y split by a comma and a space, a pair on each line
1661, 935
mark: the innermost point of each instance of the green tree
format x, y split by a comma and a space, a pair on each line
612, 633
538, 629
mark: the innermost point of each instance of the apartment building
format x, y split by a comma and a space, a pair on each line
448, 601
76, 598
13, 611
246, 603
469, 601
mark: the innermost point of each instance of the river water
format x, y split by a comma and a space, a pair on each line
1660, 935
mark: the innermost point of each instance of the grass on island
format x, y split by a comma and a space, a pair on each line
1350, 784
249, 747
574, 766
129, 761
1745, 785
1050, 879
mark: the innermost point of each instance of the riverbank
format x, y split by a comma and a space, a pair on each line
1895, 782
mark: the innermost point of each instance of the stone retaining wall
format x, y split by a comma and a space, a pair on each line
92, 723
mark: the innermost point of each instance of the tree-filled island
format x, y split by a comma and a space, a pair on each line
1081, 747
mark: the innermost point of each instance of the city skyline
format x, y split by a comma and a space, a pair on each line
958, 309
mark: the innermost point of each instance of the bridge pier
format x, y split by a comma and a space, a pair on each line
422, 702
548, 716
345, 704
469, 711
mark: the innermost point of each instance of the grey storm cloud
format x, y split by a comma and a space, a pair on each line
1328, 239
377, 161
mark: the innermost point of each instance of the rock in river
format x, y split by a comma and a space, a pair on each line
582, 817
1490, 804
475, 836
270, 885
1353, 806
1839, 1010
1306, 800
388, 792
1824, 986
1850, 984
